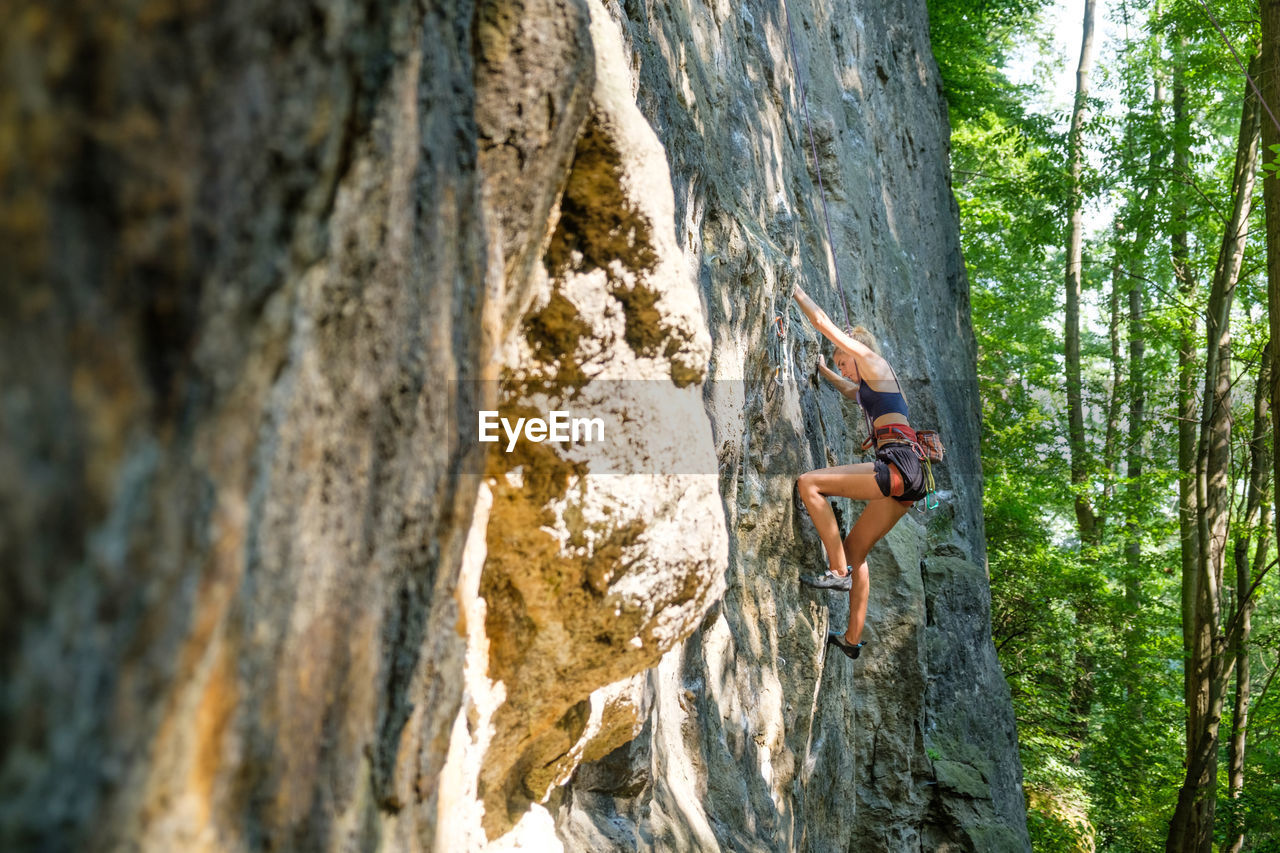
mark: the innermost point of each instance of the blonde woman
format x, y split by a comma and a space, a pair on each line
889, 485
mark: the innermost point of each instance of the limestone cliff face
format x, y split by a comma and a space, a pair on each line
263, 264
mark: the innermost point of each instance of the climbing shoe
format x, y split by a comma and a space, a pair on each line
837, 639
828, 580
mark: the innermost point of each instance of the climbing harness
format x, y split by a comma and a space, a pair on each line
925, 443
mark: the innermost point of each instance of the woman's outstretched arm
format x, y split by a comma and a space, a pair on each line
828, 329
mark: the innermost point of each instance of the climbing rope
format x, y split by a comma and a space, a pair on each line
817, 166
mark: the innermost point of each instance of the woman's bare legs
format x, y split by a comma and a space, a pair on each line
876, 520
846, 481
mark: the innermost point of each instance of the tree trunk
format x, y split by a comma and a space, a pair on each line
1269, 79
1187, 349
1085, 519
1255, 526
1133, 230
1136, 451
1111, 445
1191, 828
1136, 436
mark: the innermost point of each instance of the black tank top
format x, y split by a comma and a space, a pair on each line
880, 403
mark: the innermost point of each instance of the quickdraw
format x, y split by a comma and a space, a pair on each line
931, 497
780, 355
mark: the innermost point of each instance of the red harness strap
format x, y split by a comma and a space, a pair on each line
900, 434
896, 432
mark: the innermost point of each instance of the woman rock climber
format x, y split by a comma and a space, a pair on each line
890, 484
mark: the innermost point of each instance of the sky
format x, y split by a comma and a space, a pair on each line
1065, 22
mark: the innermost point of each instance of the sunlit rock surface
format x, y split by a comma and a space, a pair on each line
262, 588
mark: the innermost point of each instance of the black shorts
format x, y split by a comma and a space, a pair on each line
904, 458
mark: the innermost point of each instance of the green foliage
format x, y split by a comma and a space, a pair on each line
1134, 744
1272, 168
1090, 638
1051, 828
1260, 805
972, 40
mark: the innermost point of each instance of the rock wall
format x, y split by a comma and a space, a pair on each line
754, 739
262, 265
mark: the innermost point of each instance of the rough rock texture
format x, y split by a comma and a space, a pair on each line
260, 267
754, 740
244, 245
598, 562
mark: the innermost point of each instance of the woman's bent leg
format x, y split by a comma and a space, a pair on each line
847, 481
876, 520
